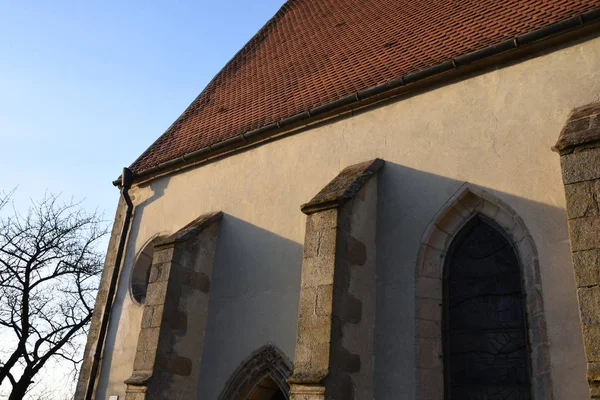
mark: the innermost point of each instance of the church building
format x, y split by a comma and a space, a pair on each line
374, 199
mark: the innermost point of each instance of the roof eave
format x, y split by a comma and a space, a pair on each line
528, 43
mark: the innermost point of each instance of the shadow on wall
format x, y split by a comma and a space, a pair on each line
408, 201
254, 299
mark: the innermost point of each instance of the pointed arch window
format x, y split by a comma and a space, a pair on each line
484, 320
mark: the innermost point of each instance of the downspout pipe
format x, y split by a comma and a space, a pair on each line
126, 181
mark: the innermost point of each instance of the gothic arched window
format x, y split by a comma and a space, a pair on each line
484, 320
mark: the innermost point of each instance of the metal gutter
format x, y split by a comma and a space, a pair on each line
126, 181
312, 116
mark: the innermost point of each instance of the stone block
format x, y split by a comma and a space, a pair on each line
430, 288
581, 199
431, 265
322, 220
584, 233
452, 221
324, 299
429, 353
542, 387
541, 357
314, 330
308, 302
147, 317
438, 239
318, 271
489, 209
156, 293
144, 360
471, 202
163, 254
591, 342
535, 301
505, 220
529, 258
197, 280
429, 329
148, 338
352, 250
320, 242
589, 305
157, 315
581, 166
586, 265
431, 384
429, 309
347, 307
159, 272
319, 359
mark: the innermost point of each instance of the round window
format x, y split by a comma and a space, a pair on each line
141, 274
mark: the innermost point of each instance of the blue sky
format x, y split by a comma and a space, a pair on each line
87, 86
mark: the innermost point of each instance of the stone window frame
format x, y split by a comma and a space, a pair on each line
465, 204
267, 361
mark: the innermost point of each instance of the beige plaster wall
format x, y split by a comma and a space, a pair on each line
494, 130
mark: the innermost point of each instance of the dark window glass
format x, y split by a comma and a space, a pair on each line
485, 332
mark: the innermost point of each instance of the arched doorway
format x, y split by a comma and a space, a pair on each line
267, 389
262, 376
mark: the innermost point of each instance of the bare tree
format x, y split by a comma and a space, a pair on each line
49, 269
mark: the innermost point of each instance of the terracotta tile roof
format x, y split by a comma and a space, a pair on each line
316, 51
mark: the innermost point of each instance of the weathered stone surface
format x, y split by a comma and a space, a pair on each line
343, 187
584, 233
589, 305
587, 267
591, 344
581, 128
471, 202
191, 230
159, 272
157, 292
431, 384
197, 280
351, 249
430, 288
338, 263
431, 265
321, 242
580, 166
179, 282
430, 353
324, 299
347, 307
429, 309
582, 198
578, 145
318, 271
429, 329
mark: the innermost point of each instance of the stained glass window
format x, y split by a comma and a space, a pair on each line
485, 330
